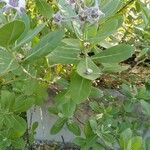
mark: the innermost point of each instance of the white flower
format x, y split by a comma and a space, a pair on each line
18, 5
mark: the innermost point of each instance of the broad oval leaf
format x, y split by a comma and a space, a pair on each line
22, 104
58, 125
106, 29
114, 54
47, 44
44, 8
86, 64
7, 100
10, 32
30, 35
80, 88
74, 128
65, 55
16, 124
7, 62
110, 7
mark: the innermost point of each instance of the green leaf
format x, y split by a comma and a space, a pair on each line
125, 136
30, 35
26, 19
68, 108
66, 9
58, 125
65, 55
86, 64
91, 30
110, 7
80, 88
44, 8
147, 143
72, 42
10, 32
95, 107
53, 110
46, 45
136, 143
79, 141
16, 124
113, 68
34, 126
22, 104
18, 143
114, 54
96, 93
74, 128
4, 142
88, 130
7, 62
106, 29
7, 100
146, 107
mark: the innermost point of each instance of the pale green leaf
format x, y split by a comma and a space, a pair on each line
65, 55
80, 88
44, 8
30, 35
114, 67
114, 54
16, 124
47, 44
7, 62
85, 65
106, 29
22, 104
110, 7
10, 32
7, 100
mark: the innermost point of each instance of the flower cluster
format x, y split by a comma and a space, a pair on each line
83, 13
18, 5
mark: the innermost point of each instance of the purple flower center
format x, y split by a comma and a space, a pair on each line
13, 3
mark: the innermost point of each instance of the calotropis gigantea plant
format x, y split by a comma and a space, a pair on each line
27, 56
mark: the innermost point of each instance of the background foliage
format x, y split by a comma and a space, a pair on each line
80, 61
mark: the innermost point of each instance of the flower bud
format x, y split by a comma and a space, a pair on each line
88, 71
57, 18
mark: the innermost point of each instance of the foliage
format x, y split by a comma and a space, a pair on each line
89, 40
